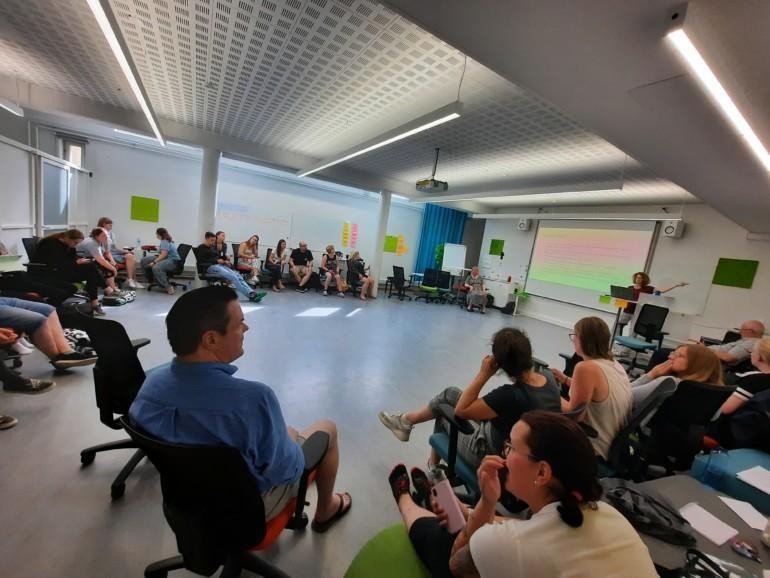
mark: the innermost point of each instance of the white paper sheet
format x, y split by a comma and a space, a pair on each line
707, 523
747, 512
757, 476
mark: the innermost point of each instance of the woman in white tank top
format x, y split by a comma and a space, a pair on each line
599, 383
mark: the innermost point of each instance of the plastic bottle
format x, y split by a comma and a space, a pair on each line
444, 494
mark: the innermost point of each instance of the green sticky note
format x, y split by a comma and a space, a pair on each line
496, 247
606, 299
391, 243
145, 209
735, 273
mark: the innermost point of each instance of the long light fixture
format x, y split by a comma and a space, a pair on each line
11, 107
578, 216
709, 80
117, 50
425, 122
478, 196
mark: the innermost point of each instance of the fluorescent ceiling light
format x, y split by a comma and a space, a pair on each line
688, 51
146, 137
425, 122
480, 196
117, 50
577, 216
11, 107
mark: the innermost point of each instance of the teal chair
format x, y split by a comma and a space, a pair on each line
389, 554
719, 469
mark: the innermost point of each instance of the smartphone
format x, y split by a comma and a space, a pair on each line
502, 475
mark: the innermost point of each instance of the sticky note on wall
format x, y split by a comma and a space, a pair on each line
145, 209
391, 244
605, 299
496, 246
345, 233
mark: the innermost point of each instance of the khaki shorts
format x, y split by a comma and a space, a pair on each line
302, 270
275, 499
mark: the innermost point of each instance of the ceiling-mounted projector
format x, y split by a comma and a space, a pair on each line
431, 185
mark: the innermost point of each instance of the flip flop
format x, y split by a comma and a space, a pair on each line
321, 527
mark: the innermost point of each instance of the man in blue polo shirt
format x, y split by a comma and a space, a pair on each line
197, 400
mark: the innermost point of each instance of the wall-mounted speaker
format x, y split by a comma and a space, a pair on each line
523, 224
673, 229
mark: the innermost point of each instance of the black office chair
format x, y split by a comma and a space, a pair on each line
400, 283
675, 433
429, 288
118, 375
214, 507
184, 250
648, 326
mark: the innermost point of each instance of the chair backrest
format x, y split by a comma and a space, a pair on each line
118, 373
677, 429
430, 278
444, 280
201, 268
236, 247
30, 246
650, 321
183, 249
731, 336
209, 498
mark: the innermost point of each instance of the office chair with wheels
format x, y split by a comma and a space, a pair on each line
429, 288
118, 375
400, 283
184, 250
649, 325
214, 507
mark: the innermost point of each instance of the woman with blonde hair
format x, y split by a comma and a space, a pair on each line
358, 272
689, 362
330, 270
598, 383
248, 256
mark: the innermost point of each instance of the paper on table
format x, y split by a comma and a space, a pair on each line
707, 523
757, 476
747, 512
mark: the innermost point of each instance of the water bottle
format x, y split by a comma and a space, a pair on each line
444, 494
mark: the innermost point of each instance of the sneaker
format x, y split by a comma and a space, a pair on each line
300, 289
257, 296
30, 386
326, 293
98, 311
21, 349
25, 343
132, 284
395, 422
170, 290
399, 481
7, 422
341, 294
74, 359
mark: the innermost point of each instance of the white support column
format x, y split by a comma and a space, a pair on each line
208, 191
379, 239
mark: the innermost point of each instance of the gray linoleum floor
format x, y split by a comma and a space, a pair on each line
360, 358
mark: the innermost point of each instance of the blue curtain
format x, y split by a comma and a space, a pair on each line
439, 225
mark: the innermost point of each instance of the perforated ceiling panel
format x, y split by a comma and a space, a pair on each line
58, 45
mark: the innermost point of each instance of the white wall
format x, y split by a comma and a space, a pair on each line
708, 236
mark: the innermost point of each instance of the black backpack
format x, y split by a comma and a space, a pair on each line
750, 424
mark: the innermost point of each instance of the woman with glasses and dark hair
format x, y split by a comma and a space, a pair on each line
493, 414
598, 382
549, 463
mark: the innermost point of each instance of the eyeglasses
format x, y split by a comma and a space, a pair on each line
508, 448
572, 337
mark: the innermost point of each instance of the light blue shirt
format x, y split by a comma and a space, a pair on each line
203, 404
169, 246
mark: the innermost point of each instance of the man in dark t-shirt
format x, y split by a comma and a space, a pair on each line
301, 262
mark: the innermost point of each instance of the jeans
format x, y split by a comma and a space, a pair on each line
26, 316
231, 277
160, 271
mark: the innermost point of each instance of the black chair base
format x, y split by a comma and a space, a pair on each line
232, 567
118, 487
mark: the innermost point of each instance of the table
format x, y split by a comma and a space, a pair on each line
681, 490
11, 263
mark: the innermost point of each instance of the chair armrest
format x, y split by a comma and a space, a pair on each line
314, 449
539, 363
565, 356
448, 412
139, 343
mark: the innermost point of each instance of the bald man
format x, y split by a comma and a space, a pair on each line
738, 351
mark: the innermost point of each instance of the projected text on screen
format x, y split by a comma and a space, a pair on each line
591, 259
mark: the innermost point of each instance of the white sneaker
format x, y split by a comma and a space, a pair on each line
134, 285
395, 422
25, 343
326, 293
341, 294
21, 349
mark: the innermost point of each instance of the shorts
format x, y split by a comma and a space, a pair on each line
275, 499
302, 270
118, 258
23, 315
433, 545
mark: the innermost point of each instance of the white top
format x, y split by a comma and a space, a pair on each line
609, 416
605, 546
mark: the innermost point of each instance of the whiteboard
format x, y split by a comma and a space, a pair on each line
241, 221
454, 258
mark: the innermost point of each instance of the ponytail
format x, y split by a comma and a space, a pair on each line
569, 510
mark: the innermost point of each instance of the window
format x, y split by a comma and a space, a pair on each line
71, 148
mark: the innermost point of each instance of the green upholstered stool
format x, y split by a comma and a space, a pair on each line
389, 554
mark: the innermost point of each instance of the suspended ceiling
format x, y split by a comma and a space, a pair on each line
290, 82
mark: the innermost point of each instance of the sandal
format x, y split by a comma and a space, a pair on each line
399, 481
343, 509
422, 487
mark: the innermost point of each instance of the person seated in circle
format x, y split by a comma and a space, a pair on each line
330, 269
493, 414
549, 463
599, 384
221, 248
359, 270
477, 291
301, 266
689, 362
159, 267
248, 256
275, 262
